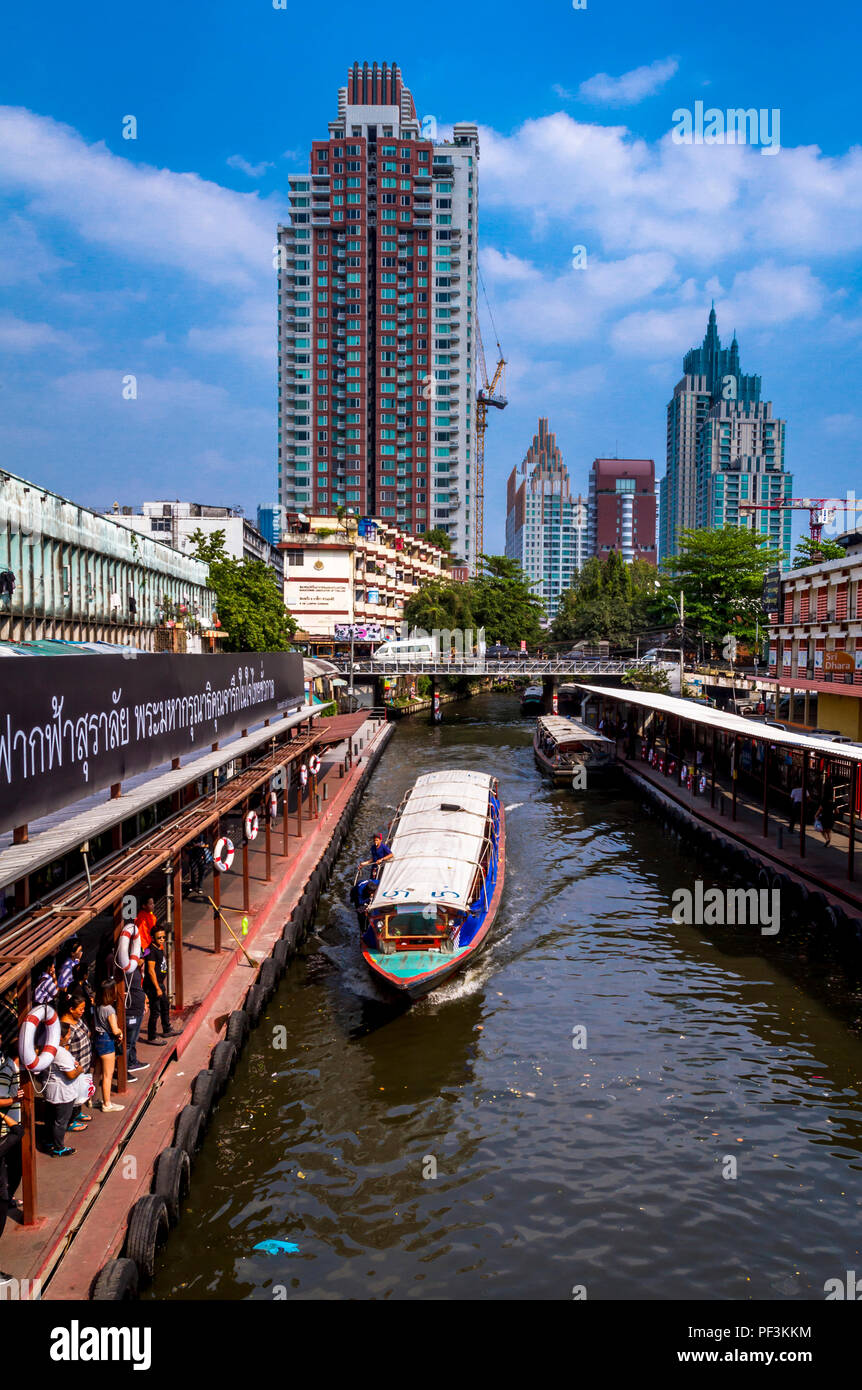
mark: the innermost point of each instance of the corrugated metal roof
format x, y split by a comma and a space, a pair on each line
729, 723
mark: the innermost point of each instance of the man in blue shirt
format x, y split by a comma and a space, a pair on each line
380, 852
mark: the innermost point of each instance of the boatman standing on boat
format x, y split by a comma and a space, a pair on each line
380, 852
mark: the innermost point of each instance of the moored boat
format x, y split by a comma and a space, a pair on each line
531, 698
430, 911
570, 752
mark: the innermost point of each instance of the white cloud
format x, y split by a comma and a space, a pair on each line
630, 87
20, 335
254, 171
23, 253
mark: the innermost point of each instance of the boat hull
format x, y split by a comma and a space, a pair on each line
416, 973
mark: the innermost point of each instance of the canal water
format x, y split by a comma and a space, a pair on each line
604, 1168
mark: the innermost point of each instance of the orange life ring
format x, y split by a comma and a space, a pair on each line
128, 953
36, 1060
223, 854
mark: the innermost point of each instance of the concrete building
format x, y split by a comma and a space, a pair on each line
270, 521
71, 574
176, 522
376, 304
723, 447
546, 526
363, 572
622, 509
815, 647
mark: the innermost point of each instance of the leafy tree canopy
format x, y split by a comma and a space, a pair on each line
721, 575
248, 598
437, 536
609, 600
807, 553
499, 599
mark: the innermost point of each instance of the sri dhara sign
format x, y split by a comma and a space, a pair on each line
70, 725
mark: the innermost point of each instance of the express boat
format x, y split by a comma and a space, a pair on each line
563, 746
532, 697
432, 907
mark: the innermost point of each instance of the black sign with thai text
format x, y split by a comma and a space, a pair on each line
70, 725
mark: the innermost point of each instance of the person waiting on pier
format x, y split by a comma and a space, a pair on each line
11, 1131
72, 1007
46, 986
795, 806
61, 1095
145, 922
198, 856
380, 852
109, 1039
135, 1003
156, 987
69, 972
825, 818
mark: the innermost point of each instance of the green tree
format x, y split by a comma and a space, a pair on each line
654, 679
807, 553
608, 601
437, 536
503, 602
721, 575
248, 598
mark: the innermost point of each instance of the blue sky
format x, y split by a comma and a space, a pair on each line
152, 256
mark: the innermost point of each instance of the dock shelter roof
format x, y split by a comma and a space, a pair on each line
564, 730
727, 723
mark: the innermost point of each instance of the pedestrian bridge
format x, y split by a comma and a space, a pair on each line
532, 666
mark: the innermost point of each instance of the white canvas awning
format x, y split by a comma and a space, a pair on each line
436, 850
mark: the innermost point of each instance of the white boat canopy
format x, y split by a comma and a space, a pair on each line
563, 730
437, 842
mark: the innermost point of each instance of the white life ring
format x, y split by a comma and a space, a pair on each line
273, 805
303, 774
128, 953
250, 826
314, 764
38, 1061
223, 854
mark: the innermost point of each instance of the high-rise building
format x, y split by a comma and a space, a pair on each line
270, 523
377, 298
546, 526
622, 509
722, 446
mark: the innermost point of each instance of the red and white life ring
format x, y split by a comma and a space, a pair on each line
223, 854
273, 805
128, 953
250, 826
41, 1014
314, 764
303, 774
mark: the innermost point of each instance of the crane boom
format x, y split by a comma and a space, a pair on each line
486, 396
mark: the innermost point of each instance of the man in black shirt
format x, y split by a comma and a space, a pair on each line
156, 988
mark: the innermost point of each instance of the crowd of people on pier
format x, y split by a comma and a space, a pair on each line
83, 997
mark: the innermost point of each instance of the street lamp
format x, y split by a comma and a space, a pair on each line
680, 610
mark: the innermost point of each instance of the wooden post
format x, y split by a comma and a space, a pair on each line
765, 790
245, 897
284, 809
268, 844
851, 838
122, 1055
178, 932
712, 778
29, 1181
803, 806
313, 785
734, 771
299, 807
216, 897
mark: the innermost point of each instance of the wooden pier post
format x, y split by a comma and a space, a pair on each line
712, 786
122, 1056
851, 839
765, 790
734, 771
803, 808
178, 932
245, 893
29, 1181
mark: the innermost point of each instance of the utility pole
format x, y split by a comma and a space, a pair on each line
681, 638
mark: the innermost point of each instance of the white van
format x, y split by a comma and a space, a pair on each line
408, 650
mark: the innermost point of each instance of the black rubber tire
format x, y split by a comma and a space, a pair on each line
189, 1129
173, 1180
148, 1231
223, 1062
116, 1282
292, 934
281, 955
205, 1092
237, 1029
818, 906
255, 1002
268, 977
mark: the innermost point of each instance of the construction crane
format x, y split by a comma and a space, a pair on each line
487, 395
820, 510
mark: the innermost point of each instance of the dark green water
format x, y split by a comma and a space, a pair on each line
556, 1167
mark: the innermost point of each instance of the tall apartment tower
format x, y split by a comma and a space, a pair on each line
377, 297
622, 509
546, 527
712, 375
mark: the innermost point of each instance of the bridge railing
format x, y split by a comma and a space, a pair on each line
475, 666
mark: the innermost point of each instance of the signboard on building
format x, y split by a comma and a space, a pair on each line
838, 661
771, 598
316, 596
70, 725
360, 632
